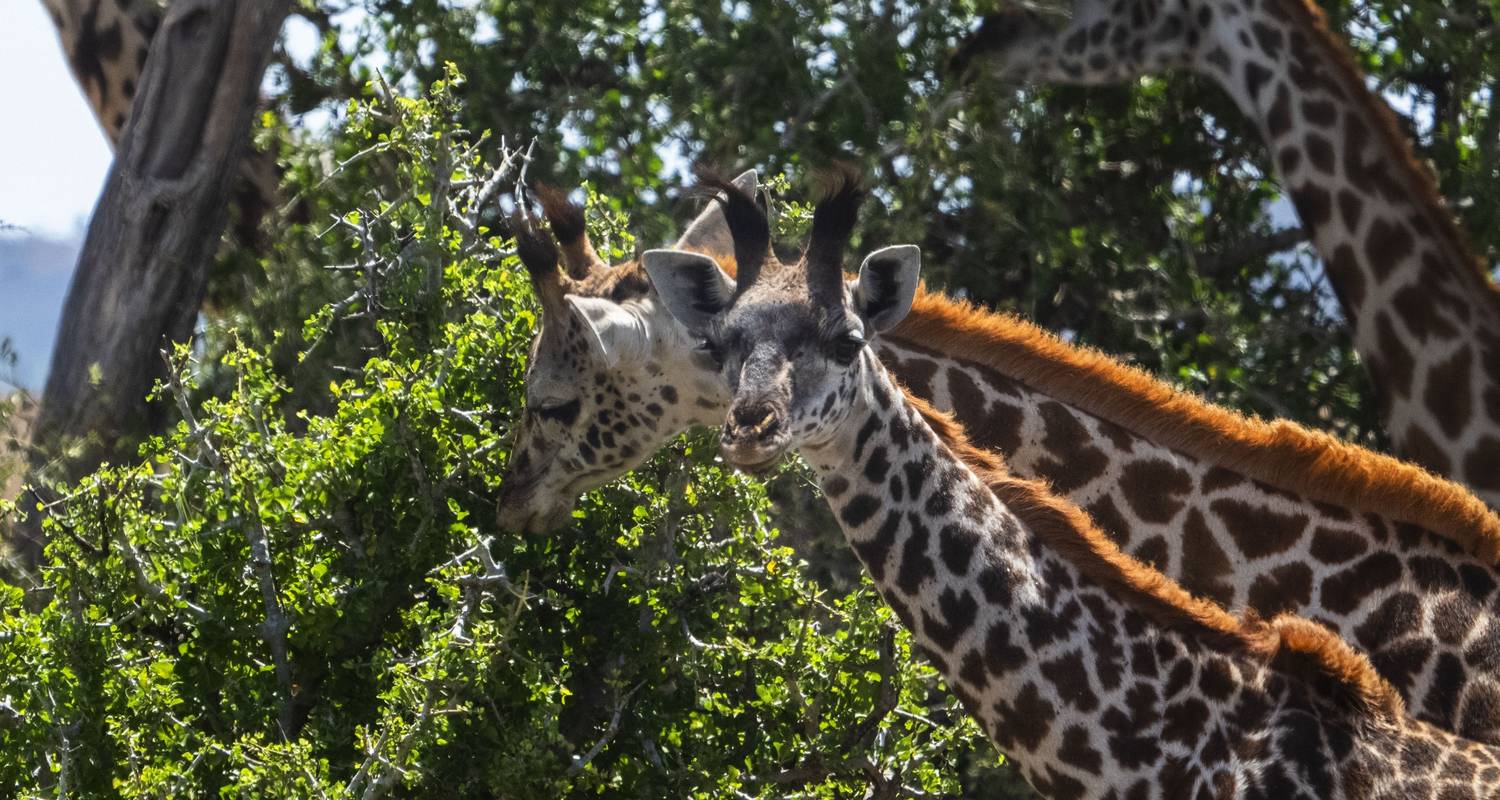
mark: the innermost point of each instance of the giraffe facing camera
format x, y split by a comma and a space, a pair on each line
1101, 676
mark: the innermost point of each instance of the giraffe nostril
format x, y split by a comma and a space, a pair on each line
766, 425
756, 421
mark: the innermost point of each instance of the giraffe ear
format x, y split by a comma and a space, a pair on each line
709, 233
886, 285
692, 286
615, 333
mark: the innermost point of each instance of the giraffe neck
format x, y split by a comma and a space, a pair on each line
1079, 669
1425, 317
106, 42
1267, 517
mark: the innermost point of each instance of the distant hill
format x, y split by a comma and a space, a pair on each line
34, 274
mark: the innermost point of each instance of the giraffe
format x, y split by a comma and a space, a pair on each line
106, 42
1101, 676
608, 381
1269, 517
1424, 313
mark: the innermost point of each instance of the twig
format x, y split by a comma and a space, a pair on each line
491, 186
579, 762
387, 779
858, 737
476, 586
155, 592
273, 629
337, 168
276, 624
65, 746
179, 392
1250, 249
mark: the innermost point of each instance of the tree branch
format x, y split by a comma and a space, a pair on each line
1248, 250
579, 762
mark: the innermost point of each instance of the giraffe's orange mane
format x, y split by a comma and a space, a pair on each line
1413, 173
1281, 454
1296, 645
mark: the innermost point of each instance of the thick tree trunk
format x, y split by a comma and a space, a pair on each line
141, 275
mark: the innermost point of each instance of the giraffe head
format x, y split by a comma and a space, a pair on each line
789, 339
609, 379
1105, 41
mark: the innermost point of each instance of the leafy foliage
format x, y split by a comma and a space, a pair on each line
1140, 218
1132, 218
281, 602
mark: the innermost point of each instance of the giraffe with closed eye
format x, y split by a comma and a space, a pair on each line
1102, 677
1424, 312
605, 386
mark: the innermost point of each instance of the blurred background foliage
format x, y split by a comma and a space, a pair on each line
1142, 219
343, 414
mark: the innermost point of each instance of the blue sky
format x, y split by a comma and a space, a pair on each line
53, 159
53, 162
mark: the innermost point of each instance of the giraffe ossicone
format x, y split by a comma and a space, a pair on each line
1102, 677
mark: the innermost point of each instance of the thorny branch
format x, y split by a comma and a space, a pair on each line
64, 731
472, 195
378, 773
387, 778
274, 628
132, 559
610, 731
818, 767
276, 624
477, 586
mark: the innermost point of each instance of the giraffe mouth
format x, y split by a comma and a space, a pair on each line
755, 458
756, 467
755, 437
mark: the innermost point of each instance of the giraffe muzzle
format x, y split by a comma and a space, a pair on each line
754, 437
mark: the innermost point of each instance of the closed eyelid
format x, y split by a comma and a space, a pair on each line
566, 413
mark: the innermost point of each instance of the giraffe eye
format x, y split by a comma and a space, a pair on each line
709, 354
846, 348
564, 412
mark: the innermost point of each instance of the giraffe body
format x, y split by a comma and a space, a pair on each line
106, 42
1103, 678
1271, 518
1425, 315
1421, 605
